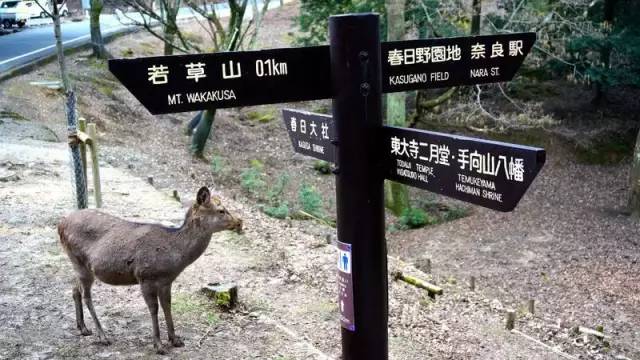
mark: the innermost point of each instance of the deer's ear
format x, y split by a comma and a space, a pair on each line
204, 196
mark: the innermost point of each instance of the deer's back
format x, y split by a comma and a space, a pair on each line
116, 250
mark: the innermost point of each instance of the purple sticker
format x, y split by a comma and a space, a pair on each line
345, 287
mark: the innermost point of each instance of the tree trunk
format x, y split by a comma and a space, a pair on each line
170, 10
202, 133
475, 19
397, 196
605, 52
634, 194
70, 110
203, 129
59, 48
96, 35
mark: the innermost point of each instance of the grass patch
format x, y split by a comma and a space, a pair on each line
428, 212
192, 37
261, 117
128, 52
195, 306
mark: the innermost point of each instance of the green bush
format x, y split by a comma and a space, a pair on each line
251, 180
280, 211
310, 200
274, 195
277, 208
455, 212
414, 218
322, 167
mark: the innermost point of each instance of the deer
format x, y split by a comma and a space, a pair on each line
121, 252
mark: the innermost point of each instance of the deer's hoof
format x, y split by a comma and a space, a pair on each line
104, 341
177, 342
161, 350
85, 332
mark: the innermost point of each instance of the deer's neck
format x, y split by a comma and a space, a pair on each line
193, 241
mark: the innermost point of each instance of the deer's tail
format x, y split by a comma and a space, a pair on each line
64, 240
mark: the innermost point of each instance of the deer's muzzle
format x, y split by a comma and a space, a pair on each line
236, 225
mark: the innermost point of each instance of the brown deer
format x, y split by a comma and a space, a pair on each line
120, 252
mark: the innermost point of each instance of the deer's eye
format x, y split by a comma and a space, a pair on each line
221, 211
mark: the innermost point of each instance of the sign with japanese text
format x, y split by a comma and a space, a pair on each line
437, 63
310, 133
171, 84
483, 172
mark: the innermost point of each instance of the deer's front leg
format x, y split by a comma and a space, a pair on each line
150, 294
165, 301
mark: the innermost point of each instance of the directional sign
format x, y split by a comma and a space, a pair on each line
310, 133
437, 63
170, 84
487, 173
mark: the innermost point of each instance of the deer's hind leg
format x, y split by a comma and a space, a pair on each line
85, 277
77, 299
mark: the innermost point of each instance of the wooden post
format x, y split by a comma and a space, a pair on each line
531, 306
511, 320
82, 127
427, 266
95, 165
357, 112
472, 283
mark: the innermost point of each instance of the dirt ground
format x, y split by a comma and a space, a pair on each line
567, 245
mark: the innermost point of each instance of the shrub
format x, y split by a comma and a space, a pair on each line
251, 181
414, 218
280, 211
310, 200
322, 167
455, 212
275, 192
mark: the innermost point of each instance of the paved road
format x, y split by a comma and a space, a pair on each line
37, 42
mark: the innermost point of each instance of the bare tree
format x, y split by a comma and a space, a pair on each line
97, 42
70, 102
235, 33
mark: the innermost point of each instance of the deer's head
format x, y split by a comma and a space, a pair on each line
209, 212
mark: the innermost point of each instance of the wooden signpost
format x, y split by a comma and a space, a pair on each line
354, 70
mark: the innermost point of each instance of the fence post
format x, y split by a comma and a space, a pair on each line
95, 165
82, 127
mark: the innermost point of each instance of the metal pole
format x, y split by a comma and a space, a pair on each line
357, 111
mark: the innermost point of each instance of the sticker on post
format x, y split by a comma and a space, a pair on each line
345, 287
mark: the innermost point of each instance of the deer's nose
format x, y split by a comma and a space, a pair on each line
238, 226
235, 224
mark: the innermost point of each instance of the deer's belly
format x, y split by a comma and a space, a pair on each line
115, 278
